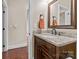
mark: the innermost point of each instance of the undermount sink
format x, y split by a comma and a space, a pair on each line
58, 40
61, 34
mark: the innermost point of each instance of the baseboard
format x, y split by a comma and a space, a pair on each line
15, 46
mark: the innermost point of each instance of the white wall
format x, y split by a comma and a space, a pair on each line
66, 3
39, 7
17, 23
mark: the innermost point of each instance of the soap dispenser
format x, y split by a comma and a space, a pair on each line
54, 22
41, 23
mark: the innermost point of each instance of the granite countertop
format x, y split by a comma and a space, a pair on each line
56, 39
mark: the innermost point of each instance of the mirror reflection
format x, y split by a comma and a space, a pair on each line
60, 13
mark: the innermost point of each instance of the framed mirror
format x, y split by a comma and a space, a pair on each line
62, 14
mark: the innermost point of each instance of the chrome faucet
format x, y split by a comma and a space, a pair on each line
54, 31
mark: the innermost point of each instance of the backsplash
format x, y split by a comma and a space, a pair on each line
66, 31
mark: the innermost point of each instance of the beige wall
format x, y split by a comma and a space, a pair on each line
17, 22
39, 7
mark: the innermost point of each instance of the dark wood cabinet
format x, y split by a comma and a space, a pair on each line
46, 50
68, 49
43, 49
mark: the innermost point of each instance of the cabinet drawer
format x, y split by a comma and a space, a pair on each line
44, 43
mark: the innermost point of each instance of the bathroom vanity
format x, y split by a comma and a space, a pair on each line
61, 15
54, 47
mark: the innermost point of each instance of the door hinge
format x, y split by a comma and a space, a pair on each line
3, 11
3, 46
3, 28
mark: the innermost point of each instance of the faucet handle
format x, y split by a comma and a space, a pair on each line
59, 33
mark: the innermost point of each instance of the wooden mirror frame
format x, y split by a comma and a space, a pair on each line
73, 16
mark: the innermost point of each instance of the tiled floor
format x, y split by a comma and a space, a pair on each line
18, 53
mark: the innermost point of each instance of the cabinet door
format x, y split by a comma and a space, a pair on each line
39, 53
68, 50
45, 55
37, 50
48, 50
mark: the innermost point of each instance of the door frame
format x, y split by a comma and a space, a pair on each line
5, 6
